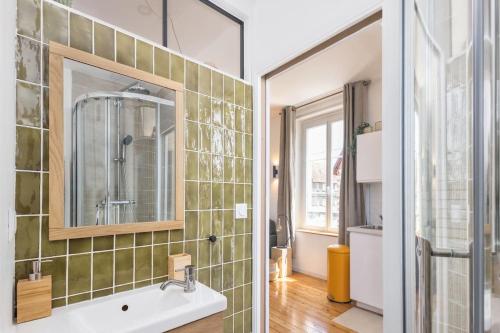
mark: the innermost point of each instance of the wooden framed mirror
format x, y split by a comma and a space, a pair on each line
116, 152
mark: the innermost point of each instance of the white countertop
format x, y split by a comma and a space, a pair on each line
359, 229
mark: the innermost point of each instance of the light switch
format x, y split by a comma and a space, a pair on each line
241, 211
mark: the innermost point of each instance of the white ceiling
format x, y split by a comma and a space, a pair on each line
357, 57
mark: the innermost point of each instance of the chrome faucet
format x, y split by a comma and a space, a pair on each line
189, 282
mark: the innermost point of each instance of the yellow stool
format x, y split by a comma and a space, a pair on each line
338, 273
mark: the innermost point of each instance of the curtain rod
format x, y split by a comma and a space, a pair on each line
319, 99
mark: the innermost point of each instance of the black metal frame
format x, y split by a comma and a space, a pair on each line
221, 11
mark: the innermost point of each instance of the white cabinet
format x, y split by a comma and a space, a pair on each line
369, 157
366, 268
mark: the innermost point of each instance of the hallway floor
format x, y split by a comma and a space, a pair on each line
299, 304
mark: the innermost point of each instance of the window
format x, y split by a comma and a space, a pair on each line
196, 28
321, 148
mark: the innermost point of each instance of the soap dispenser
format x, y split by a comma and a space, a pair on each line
34, 295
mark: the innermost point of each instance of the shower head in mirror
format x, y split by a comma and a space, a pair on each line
127, 140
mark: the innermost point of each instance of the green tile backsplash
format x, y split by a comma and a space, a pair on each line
218, 172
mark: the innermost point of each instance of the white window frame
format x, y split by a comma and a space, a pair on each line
320, 117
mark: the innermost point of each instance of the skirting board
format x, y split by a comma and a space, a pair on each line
302, 271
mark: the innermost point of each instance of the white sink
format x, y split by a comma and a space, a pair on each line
145, 310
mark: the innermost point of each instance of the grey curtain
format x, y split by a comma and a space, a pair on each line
286, 170
351, 202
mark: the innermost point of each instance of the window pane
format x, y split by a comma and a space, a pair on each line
337, 145
316, 191
200, 32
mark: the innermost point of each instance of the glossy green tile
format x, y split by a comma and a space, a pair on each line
217, 141
239, 170
27, 193
80, 32
124, 263
239, 193
159, 280
239, 93
248, 171
205, 195
55, 24
217, 112
247, 321
227, 276
248, 195
239, 226
239, 145
45, 155
228, 115
123, 241
102, 293
205, 166
204, 81
191, 248
57, 269
248, 271
143, 238
239, 119
247, 296
228, 169
28, 104
228, 196
162, 63
143, 263
204, 276
239, 247
176, 248
228, 249
248, 97
80, 245
205, 224
144, 56
45, 193
204, 254
249, 222
248, 246
177, 235
57, 303
205, 109
160, 260
28, 18
125, 49
191, 193
102, 270
103, 243
228, 222
217, 195
191, 165
238, 299
160, 237
191, 225
228, 325
142, 284
238, 322
248, 146
27, 237
45, 113
191, 76
216, 277
217, 168
191, 135
217, 85
51, 248
28, 60
239, 270
79, 273
229, 142
191, 106
104, 41
230, 308
217, 221
248, 121
78, 298
124, 287
228, 89
216, 252
176, 68
205, 138
28, 148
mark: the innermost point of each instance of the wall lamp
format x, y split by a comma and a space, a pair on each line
275, 171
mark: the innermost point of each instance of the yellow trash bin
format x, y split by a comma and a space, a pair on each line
338, 273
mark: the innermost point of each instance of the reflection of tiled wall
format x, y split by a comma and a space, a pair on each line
218, 128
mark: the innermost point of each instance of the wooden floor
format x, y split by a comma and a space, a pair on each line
299, 304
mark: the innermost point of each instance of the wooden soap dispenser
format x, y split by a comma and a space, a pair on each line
34, 295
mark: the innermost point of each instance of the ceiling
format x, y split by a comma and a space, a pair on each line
357, 57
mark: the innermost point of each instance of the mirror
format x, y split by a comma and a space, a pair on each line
117, 138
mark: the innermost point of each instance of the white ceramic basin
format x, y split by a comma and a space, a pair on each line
145, 310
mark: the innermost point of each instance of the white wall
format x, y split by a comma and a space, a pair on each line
7, 151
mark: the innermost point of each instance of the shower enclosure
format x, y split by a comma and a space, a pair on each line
122, 158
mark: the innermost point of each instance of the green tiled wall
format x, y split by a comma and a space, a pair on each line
218, 162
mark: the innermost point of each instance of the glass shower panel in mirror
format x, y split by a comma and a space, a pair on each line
122, 153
